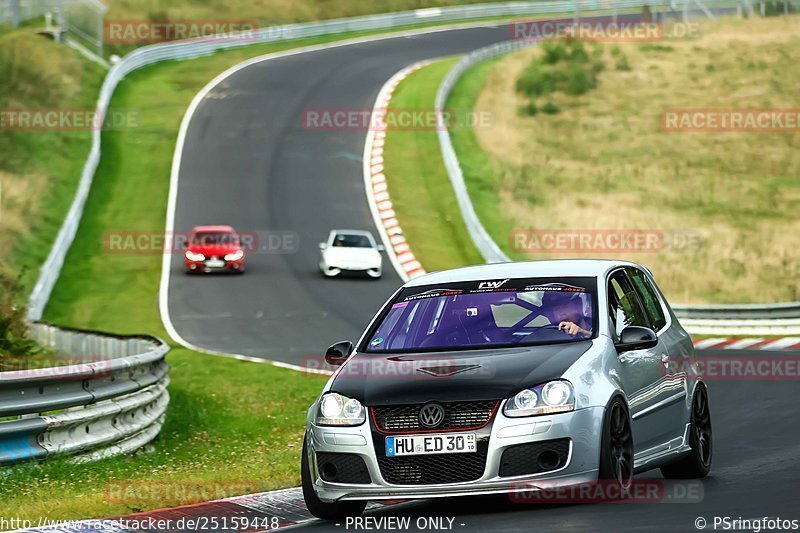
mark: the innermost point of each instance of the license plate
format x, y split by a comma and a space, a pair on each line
215, 263
430, 444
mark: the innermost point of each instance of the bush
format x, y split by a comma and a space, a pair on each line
564, 66
550, 108
530, 108
554, 52
578, 80
622, 64
13, 328
536, 81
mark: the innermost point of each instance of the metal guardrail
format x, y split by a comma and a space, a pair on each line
788, 310
480, 237
112, 401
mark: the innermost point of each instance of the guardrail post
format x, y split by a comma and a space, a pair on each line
15, 18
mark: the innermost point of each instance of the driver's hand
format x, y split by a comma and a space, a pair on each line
572, 328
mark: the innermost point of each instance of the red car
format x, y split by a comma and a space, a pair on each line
214, 249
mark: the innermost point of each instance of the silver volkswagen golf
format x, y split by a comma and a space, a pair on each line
485, 379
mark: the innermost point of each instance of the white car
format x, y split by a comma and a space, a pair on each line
350, 251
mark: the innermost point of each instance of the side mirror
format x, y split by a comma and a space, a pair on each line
636, 338
338, 353
323, 246
381, 248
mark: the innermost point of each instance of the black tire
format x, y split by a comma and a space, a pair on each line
697, 463
616, 448
320, 509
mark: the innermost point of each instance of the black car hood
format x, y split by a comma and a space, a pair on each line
491, 374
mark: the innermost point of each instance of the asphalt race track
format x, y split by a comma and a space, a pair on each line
249, 162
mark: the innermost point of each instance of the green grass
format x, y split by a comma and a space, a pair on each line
480, 172
418, 183
39, 170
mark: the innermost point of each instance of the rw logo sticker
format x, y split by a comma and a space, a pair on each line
492, 284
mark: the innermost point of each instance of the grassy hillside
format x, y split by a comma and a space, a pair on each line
39, 169
726, 203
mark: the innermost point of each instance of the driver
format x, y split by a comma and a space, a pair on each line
567, 312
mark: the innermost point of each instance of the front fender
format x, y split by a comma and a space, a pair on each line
596, 375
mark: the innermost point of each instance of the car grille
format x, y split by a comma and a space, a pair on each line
342, 468
434, 469
534, 457
458, 415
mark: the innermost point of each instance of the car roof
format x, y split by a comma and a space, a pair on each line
351, 232
523, 269
225, 229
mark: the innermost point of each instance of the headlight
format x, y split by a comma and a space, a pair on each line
338, 410
234, 256
551, 397
191, 256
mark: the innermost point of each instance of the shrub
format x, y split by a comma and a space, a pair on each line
13, 328
564, 66
530, 108
578, 80
554, 52
622, 64
550, 108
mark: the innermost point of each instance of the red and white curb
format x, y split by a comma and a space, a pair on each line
733, 343
375, 182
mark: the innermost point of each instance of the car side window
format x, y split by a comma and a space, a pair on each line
624, 307
649, 298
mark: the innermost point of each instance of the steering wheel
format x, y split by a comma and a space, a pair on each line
539, 330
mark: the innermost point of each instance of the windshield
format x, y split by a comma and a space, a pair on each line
215, 238
487, 313
346, 240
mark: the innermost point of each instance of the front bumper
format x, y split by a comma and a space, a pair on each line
202, 266
582, 427
334, 269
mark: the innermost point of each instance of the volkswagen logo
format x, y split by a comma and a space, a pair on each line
431, 415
